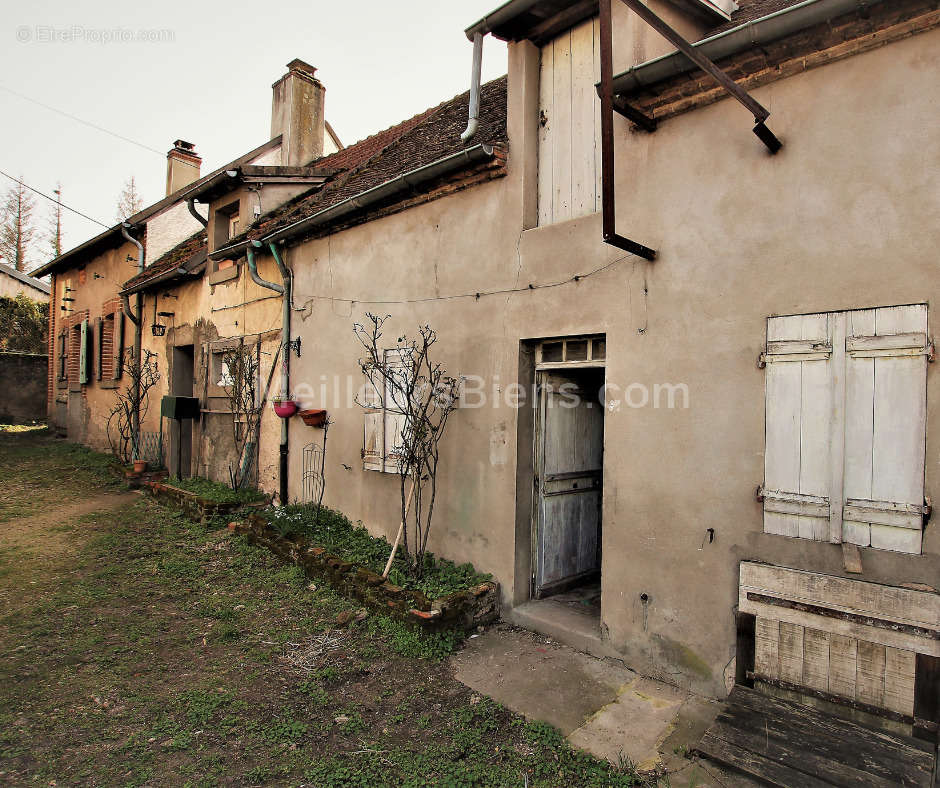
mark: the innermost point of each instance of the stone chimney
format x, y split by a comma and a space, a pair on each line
297, 114
182, 166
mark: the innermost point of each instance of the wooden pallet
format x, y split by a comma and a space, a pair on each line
787, 744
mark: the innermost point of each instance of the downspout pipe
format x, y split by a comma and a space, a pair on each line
191, 204
475, 74
137, 321
285, 291
287, 278
253, 269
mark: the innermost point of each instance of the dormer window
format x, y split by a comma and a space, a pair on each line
227, 225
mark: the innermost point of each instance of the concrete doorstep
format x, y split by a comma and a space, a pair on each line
600, 705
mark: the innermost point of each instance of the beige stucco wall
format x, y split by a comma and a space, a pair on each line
205, 314
842, 218
11, 288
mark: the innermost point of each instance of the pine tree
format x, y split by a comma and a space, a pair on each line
129, 202
16, 230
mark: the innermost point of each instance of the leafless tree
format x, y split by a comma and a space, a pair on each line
411, 382
129, 201
17, 230
53, 235
132, 400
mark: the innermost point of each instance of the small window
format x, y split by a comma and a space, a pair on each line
574, 351
227, 225
63, 356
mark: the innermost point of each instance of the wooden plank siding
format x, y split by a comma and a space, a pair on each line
569, 139
846, 418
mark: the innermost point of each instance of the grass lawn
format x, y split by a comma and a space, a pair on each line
139, 648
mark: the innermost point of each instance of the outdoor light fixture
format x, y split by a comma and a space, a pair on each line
158, 329
97, 276
295, 346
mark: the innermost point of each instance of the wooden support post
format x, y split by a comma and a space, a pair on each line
401, 530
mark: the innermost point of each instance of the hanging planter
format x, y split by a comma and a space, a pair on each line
285, 408
316, 417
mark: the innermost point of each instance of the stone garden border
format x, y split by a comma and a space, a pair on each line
465, 610
202, 509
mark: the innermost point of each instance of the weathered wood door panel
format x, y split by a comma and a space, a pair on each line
570, 448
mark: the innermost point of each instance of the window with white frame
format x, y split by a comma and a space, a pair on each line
846, 409
385, 419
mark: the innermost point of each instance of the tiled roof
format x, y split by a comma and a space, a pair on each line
406, 146
749, 10
431, 136
178, 256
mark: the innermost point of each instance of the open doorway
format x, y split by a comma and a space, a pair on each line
179, 459
568, 467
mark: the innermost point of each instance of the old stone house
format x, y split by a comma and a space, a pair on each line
91, 331
739, 487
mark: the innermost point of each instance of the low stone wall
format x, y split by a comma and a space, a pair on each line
462, 610
23, 387
201, 509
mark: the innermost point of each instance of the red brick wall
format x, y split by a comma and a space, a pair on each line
51, 368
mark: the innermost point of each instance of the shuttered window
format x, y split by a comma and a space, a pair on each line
384, 422
846, 396
83, 353
117, 346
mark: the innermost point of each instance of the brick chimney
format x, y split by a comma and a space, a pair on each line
297, 114
182, 166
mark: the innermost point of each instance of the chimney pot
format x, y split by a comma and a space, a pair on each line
182, 166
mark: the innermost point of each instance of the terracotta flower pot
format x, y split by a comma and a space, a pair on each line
316, 417
140, 466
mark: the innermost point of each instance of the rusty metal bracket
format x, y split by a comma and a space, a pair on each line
608, 191
759, 112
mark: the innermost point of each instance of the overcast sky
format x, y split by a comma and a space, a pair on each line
206, 79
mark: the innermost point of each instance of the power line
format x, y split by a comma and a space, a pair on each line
83, 121
53, 199
477, 295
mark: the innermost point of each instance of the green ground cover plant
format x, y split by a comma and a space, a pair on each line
353, 542
215, 491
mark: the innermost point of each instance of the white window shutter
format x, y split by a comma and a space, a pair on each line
886, 412
394, 431
799, 426
373, 446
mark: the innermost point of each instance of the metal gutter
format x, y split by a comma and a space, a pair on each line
501, 16
371, 196
753, 33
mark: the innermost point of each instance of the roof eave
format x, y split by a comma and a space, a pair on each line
737, 39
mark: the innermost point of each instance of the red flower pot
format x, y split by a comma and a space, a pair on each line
315, 417
285, 408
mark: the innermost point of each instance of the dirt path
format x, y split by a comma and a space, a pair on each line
52, 532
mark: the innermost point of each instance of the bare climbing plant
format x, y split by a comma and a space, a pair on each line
133, 399
415, 390
240, 366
